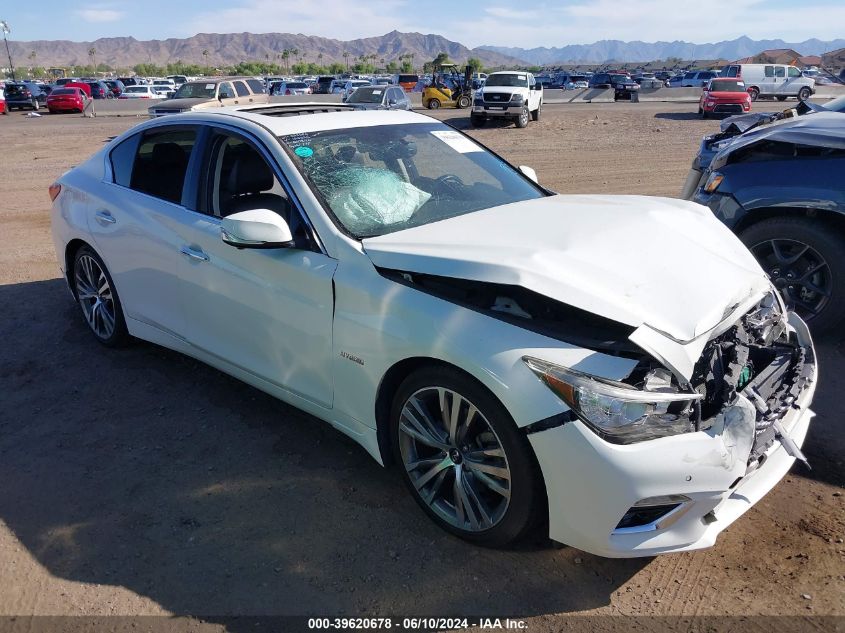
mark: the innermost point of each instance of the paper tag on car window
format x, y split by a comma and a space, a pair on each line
457, 141
209, 86
376, 92
522, 77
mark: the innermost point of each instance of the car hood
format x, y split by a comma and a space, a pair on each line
187, 104
662, 263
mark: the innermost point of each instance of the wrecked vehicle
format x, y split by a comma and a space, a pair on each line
780, 188
616, 368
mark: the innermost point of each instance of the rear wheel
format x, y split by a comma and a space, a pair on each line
463, 459
97, 297
804, 94
35, 104
754, 93
806, 261
433, 104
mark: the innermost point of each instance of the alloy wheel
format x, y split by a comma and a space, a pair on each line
95, 296
454, 459
800, 273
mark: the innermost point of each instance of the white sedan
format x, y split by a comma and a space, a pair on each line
616, 368
140, 92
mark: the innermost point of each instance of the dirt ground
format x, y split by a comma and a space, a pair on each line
138, 481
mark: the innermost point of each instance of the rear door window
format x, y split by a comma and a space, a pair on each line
161, 163
241, 88
780, 71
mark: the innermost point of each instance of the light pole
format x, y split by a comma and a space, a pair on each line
4, 26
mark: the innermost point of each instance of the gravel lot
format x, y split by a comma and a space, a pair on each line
138, 481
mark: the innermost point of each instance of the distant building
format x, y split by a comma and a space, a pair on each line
773, 56
834, 60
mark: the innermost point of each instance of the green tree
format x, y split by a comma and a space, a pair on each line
476, 64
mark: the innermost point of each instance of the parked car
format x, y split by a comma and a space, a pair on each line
22, 95
693, 79
623, 86
140, 92
588, 362
351, 86
733, 127
779, 81
132, 81
62, 81
724, 96
3, 108
115, 86
651, 83
164, 87
82, 85
66, 100
324, 85
780, 188
288, 88
379, 98
213, 93
100, 90
178, 80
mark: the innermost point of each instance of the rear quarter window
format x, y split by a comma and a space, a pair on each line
122, 158
256, 86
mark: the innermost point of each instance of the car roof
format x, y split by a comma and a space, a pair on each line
510, 72
283, 119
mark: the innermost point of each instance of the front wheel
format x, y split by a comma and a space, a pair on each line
522, 119
805, 260
463, 459
97, 297
433, 104
804, 94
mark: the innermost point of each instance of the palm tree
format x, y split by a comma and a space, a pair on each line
92, 53
346, 57
205, 56
285, 56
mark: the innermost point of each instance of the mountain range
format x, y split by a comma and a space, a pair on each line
618, 51
224, 49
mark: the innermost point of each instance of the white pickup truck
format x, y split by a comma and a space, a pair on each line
508, 94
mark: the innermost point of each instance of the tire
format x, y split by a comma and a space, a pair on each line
781, 98
88, 267
522, 119
477, 121
35, 105
511, 504
804, 94
825, 245
464, 102
433, 104
754, 93
702, 113
535, 114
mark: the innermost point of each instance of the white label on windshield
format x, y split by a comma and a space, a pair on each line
521, 77
376, 92
209, 86
457, 141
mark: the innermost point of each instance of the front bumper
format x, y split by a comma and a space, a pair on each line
591, 483
496, 110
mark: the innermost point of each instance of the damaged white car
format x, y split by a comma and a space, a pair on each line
618, 368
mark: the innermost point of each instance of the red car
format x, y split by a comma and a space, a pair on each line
84, 87
66, 100
724, 96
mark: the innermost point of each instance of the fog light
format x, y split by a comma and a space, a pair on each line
653, 513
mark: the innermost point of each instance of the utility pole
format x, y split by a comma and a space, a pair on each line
4, 26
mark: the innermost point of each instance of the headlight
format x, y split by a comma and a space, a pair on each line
620, 413
517, 98
713, 181
710, 103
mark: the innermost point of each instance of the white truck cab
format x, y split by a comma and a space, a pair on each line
508, 94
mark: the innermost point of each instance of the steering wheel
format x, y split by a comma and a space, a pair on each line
451, 182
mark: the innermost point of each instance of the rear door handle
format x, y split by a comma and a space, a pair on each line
104, 218
194, 254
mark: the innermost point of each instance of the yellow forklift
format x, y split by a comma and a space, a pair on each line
449, 88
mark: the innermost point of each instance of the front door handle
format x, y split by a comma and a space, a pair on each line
104, 218
197, 255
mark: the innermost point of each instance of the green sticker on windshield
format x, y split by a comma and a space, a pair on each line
303, 152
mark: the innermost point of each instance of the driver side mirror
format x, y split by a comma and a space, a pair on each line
528, 172
256, 228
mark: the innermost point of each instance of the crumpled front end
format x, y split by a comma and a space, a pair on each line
677, 493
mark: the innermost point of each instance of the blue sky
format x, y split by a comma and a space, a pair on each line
471, 22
